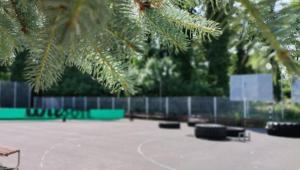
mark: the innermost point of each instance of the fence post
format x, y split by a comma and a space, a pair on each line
128, 104
245, 109
189, 105
62, 102
167, 106
113, 103
73, 102
215, 109
43, 102
34, 102
85, 102
29, 96
15, 94
98, 102
147, 107
0, 93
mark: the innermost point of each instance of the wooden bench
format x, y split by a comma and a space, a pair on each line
6, 151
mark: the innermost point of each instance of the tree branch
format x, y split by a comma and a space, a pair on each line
19, 17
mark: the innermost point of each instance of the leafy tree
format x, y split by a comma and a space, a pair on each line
75, 83
100, 37
18, 66
253, 49
217, 51
97, 37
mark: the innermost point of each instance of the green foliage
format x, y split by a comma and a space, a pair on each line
217, 52
165, 73
103, 37
75, 83
98, 37
17, 68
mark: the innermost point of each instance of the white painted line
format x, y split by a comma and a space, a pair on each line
140, 151
47, 151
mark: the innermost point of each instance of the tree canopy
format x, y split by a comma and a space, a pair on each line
103, 37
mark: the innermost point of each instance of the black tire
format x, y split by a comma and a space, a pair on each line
169, 125
285, 129
210, 131
234, 131
192, 123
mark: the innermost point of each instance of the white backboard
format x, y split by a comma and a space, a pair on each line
251, 87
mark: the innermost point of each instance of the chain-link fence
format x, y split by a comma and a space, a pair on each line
14, 94
213, 108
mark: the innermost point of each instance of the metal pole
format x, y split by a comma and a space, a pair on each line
85, 103
282, 97
15, 94
34, 102
128, 104
160, 94
29, 97
189, 105
73, 102
113, 103
62, 102
98, 102
244, 98
0, 93
245, 108
43, 103
215, 109
147, 106
167, 106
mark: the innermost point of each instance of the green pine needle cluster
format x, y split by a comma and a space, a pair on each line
99, 37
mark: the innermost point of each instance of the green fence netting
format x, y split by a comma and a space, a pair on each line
49, 114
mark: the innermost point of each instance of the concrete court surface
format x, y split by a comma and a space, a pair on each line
139, 145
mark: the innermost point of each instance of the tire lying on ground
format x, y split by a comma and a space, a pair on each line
286, 129
234, 131
169, 125
210, 131
192, 123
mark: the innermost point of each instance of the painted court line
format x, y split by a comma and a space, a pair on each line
53, 147
149, 159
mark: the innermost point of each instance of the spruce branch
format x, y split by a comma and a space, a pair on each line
118, 27
122, 39
73, 18
282, 54
196, 24
103, 68
8, 38
20, 17
6, 49
164, 30
46, 62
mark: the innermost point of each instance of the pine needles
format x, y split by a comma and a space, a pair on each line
99, 37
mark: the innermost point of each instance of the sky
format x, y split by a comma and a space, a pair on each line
281, 4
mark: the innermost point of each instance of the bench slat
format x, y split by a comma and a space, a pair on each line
7, 151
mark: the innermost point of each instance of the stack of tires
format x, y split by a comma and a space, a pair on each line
193, 121
220, 132
286, 129
235, 131
210, 131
